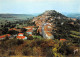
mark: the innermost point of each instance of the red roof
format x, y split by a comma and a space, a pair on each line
20, 37
19, 30
3, 36
30, 35
8, 35
20, 33
12, 29
29, 31
62, 39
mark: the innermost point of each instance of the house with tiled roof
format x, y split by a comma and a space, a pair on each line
19, 30
29, 32
48, 28
4, 36
29, 29
20, 34
44, 24
74, 19
21, 37
63, 40
12, 29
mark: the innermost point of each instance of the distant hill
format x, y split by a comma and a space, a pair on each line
15, 16
74, 15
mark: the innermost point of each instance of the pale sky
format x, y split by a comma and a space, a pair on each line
39, 6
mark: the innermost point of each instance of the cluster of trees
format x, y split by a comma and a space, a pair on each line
63, 30
5, 27
37, 47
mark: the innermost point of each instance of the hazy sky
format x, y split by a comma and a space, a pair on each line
39, 6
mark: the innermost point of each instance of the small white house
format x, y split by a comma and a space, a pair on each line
20, 34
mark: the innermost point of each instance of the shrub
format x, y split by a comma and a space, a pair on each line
27, 51
37, 51
65, 49
13, 42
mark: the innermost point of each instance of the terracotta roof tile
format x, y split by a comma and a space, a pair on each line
62, 39
20, 33
12, 29
3, 36
20, 37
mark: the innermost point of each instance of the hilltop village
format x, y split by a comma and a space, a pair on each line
50, 31
43, 25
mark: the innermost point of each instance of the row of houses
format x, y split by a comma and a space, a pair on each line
44, 26
47, 29
20, 35
29, 29
29, 32
19, 30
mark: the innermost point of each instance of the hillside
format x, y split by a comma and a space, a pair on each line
50, 34
52, 19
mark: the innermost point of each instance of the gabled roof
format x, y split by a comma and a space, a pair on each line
12, 29
20, 33
20, 37
8, 35
3, 36
62, 39
29, 31
19, 30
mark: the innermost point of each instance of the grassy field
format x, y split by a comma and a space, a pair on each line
6, 18
12, 17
